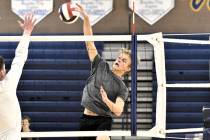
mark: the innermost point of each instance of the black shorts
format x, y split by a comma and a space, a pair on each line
94, 123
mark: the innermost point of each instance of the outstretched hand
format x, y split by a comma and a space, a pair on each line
28, 24
81, 10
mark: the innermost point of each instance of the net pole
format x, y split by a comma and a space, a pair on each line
134, 86
134, 77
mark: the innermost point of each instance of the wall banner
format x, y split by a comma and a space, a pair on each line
40, 8
97, 9
152, 10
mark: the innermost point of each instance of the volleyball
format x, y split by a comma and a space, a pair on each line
67, 13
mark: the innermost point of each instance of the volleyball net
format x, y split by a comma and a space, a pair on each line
138, 108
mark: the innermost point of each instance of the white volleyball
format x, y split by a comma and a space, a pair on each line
67, 13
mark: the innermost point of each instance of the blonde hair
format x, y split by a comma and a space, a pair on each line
127, 52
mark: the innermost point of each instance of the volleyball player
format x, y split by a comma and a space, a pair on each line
10, 113
105, 93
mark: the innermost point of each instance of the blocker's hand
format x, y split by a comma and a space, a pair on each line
28, 24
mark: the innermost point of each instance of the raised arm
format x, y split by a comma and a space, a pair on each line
87, 29
21, 52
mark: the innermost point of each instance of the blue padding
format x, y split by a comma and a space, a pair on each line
188, 81
8, 45
63, 45
51, 45
57, 64
50, 106
7, 53
187, 53
185, 75
57, 54
184, 117
187, 64
188, 96
49, 95
186, 106
55, 74
54, 116
55, 126
51, 85
183, 125
184, 46
58, 45
48, 54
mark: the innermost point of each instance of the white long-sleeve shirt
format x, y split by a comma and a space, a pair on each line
10, 113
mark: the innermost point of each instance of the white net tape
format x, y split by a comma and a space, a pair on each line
109, 38
74, 134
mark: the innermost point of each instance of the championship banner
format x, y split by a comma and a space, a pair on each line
152, 10
40, 8
97, 9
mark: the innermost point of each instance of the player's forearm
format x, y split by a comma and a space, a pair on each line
21, 52
92, 51
18, 62
115, 108
87, 27
23, 45
22, 48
